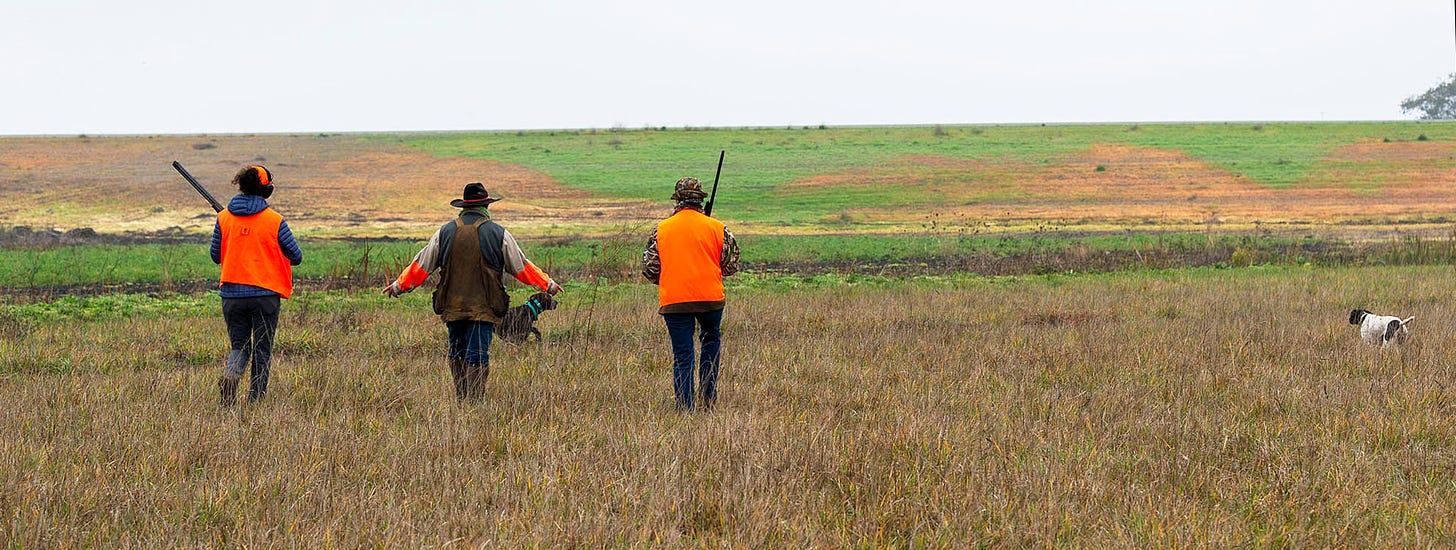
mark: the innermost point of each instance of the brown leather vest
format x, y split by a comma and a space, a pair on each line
469, 288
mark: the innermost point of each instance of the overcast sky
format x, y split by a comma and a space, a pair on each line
101, 66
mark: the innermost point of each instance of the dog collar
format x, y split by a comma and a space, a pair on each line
533, 308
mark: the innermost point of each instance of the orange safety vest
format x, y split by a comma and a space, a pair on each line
250, 251
690, 245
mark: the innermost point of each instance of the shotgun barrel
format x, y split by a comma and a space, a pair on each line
216, 206
709, 209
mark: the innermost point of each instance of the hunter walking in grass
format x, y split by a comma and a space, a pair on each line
471, 253
687, 256
257, 253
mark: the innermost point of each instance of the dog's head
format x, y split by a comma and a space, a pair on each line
543, 301
1357, 316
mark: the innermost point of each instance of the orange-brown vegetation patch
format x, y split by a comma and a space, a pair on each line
1115, 183
1419, 152
1408, 176
334, 184
913, 179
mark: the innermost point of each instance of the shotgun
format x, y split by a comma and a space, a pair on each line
216, 206
709, 209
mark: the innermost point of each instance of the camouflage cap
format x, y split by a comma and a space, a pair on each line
688, 189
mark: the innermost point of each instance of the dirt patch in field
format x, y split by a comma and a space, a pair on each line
325, 184
1123, 182
913, 179
1407, 151
1382, 176
1115, 183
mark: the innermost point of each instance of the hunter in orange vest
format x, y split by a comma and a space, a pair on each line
687, 256
257, 253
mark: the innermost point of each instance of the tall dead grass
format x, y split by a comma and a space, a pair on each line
1229, 407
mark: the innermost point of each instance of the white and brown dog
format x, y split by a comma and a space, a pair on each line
1380, 329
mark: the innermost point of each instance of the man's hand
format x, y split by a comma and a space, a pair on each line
552, 288
392, 290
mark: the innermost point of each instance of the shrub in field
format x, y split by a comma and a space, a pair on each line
1241, 257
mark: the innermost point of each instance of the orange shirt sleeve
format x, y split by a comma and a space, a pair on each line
416, 273
413, 276
532, 275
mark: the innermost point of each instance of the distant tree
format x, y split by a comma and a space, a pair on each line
1438, 103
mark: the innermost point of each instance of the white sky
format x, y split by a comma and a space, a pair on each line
101, 66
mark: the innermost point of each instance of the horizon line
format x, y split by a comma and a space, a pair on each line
692, 128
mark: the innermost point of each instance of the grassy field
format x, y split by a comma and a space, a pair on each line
54, 271
1099, 336
1170, 408
352, 263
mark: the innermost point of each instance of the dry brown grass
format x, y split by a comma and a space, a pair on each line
1217, 408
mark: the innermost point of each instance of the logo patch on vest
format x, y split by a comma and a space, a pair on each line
247, 230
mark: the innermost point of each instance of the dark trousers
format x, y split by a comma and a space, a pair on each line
470, 341
251, 323
680, 328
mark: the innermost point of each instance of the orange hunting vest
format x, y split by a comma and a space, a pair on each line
250, 251
690, 245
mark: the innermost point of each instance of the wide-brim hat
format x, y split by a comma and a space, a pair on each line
474, 195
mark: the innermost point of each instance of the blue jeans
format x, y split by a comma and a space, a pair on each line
470, 341
680, 329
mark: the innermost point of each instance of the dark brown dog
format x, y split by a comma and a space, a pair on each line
520, 321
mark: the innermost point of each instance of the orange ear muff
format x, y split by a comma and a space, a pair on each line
264, 178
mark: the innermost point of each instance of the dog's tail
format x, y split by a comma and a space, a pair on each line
1407, 320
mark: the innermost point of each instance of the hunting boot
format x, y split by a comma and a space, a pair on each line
708, 387
458, 372
258, 384
227, 388
475, 376
706, 403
